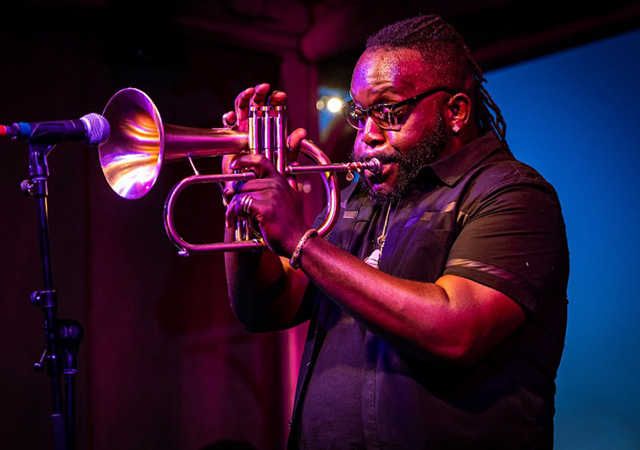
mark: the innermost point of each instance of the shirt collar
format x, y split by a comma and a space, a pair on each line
450, 169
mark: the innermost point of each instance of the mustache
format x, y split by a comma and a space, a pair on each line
386, 157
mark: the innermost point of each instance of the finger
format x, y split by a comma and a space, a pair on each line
232, 188
294, 142
251, 186
296, 137
242, 103
278, 98
226, 162
234, 211
229, 187
255, 163
241, 206
260, 94
229, 119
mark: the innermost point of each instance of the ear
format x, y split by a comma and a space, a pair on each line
458, 112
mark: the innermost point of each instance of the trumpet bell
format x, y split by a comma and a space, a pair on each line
131, 158
140, 143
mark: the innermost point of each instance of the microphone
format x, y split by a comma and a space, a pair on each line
92, 129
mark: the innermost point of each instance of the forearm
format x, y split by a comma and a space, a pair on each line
450, 319
264, 295
389, 306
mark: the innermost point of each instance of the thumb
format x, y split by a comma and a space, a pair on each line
295, 142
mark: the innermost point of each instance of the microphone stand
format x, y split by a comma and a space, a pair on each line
62, 337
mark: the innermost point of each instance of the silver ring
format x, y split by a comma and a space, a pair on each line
245, 204
226, 123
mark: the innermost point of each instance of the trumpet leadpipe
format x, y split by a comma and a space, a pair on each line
372, 165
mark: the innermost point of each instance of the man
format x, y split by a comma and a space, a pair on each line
437, 305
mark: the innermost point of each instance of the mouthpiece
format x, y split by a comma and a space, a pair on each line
373, 166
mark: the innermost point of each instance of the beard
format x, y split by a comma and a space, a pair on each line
409, 164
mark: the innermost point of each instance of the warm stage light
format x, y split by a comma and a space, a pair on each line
334, 104
329, 103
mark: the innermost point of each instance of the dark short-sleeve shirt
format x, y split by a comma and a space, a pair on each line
478, 214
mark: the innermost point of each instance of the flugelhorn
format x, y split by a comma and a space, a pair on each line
140, 144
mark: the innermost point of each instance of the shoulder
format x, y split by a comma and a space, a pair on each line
508, 179
504, 169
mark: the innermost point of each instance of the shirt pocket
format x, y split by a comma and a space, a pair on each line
420, 248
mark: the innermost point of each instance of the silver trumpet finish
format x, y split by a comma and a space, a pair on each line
140, 144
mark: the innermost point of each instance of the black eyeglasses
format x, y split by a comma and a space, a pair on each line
385, 115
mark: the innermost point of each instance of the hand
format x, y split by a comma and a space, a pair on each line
270, 200
274, 204
238, 118
252, 97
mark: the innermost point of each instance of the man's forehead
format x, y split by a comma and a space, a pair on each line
390, 70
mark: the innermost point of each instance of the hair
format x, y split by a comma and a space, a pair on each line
444, 50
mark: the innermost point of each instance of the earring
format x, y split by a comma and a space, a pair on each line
455, 128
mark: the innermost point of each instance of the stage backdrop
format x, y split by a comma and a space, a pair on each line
574, 116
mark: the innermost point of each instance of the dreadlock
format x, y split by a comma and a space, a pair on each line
444, 49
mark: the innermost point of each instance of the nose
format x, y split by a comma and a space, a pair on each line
372, 135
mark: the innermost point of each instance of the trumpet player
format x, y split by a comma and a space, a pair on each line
437, 305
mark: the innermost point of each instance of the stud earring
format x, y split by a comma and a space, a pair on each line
455, 129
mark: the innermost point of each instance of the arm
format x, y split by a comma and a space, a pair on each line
454, 319
265, 293
514, 240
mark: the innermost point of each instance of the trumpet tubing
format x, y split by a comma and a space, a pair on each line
132, 157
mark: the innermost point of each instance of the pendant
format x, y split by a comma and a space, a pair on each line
374, 259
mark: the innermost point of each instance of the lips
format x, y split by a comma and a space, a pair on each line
386, 161
384, 158
387, 158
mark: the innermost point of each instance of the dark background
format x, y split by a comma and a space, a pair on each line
164, 364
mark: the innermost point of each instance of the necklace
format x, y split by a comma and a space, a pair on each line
374, 259
383, 237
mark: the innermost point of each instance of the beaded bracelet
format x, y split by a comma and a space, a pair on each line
294, 262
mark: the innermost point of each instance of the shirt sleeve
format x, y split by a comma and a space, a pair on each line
514, 241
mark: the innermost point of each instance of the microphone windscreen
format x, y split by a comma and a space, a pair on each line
98, 128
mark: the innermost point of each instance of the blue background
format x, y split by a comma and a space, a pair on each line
574, 117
